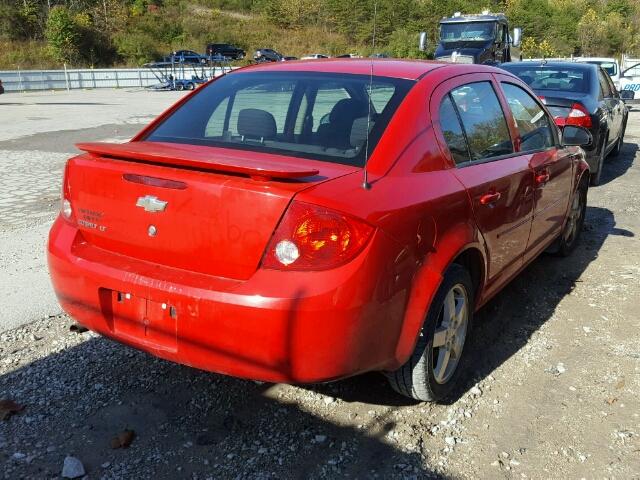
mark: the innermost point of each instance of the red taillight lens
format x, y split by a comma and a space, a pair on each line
310, 237
579, 116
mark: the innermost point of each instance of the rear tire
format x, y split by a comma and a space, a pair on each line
618, 148
189, 86
570, 236
179, 87
596, 176
432, 371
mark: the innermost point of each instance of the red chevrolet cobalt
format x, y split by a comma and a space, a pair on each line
308, 221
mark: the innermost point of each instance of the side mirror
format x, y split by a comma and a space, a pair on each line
576, 136
422, 45
517, 37
627, 95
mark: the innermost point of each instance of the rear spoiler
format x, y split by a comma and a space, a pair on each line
198, 157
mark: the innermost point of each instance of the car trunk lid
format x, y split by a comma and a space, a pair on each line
202, 209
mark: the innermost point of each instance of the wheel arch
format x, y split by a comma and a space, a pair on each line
463, 245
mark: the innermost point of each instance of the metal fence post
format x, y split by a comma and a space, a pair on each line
93, 77
20, 79
140, 77
117, 83
66, 76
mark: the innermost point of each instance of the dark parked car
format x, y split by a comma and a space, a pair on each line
226, 50
186, 56
1, 88
583, 95
267, 55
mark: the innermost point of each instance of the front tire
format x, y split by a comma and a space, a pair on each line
570, 235
434, 366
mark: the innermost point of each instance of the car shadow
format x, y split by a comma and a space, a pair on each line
187, 423
615, 167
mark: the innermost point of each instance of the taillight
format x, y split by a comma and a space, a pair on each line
310, 237
65, 202
579, 116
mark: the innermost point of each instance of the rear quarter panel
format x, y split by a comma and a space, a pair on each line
418, 202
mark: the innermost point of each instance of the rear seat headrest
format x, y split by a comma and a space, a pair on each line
256, 123
359, 131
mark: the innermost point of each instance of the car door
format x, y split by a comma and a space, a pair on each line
538, 141
608, 105
620, 109
475, 132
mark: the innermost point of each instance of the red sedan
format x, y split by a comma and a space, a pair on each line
309, 221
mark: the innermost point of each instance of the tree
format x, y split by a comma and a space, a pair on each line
62, 34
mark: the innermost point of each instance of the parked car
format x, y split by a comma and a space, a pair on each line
186, 56
630, 84
580, 94
314, 56
267, 55
379, 55
349, 55
1, 88
226, 50
289, 58
239, 234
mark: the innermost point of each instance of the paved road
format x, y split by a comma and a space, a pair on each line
37, 134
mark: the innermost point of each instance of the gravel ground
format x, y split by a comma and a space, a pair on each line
552, 391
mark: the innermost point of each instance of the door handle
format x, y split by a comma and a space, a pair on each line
542, 177
490, 198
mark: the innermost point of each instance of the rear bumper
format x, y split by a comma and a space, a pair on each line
276, 326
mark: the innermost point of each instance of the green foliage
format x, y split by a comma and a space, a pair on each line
131, 32
62, 34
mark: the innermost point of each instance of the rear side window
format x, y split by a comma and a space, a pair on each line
532, 121
483, 120
604, 85
317, 115
452, 131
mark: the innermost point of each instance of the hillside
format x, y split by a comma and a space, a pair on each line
37, 34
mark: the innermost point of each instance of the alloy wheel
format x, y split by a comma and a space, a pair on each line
450, 333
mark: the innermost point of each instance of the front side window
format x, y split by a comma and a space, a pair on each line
532, 121
483, 120
313, 115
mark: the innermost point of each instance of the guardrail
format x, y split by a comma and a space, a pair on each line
66, 79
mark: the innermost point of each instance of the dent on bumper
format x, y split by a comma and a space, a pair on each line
276, 326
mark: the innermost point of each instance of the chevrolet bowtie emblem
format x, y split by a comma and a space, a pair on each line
151, 203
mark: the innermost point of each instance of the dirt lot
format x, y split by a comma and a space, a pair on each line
553, 391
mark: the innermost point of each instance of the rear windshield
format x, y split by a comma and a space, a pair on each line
553, 78
321, 116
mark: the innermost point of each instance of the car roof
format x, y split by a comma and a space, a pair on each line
489, 17
595, 59
573, 65
382, 67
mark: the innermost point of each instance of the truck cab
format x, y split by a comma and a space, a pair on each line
482, 38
